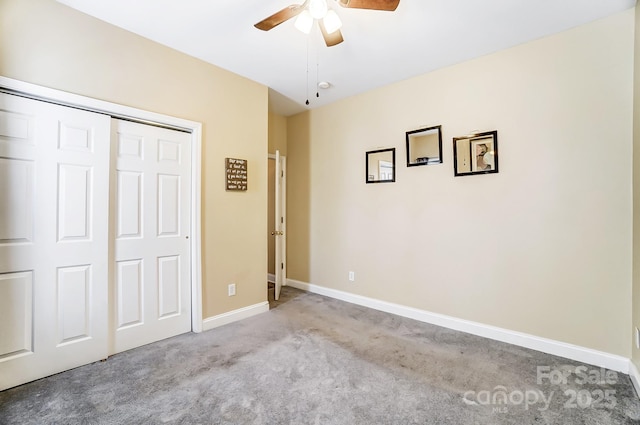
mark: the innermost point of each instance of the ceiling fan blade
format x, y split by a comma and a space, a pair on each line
281, 16
330, 39
389, 5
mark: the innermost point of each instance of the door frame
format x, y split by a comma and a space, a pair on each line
33, 91
283, 210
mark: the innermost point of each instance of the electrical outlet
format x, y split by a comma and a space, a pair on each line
352, 276
232, 289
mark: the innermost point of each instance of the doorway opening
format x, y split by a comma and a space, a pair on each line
277, 246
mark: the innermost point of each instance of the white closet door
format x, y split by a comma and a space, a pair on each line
151, 210
54, 177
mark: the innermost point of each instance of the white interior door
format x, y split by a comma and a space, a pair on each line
54, 177
151, 210
280, 224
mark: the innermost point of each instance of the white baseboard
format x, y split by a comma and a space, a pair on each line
634, 374
233, 316
271, 278
557, 348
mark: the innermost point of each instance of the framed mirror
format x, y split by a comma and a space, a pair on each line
424, 146
381, 166
475, 154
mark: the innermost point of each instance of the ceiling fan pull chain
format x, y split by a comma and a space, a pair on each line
307, 87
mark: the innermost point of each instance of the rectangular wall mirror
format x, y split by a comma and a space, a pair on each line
475, 154
424, 146
381, 166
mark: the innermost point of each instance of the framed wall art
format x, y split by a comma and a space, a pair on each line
475, 154
424, 146
381, 166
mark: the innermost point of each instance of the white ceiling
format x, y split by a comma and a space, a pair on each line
379, 48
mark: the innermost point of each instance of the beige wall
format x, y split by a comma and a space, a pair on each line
636, 193
46, 43
542, 247
277, 133
299, 197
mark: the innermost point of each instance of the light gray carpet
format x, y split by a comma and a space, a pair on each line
314, 360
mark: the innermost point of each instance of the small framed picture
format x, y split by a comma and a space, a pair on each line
380, 166
475, 154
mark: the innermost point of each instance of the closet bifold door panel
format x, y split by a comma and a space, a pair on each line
150, 221
54, 203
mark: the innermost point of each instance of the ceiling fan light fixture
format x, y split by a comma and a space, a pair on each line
304, 22
318, 8
332, 22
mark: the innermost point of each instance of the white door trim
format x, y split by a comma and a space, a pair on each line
121, 111
283, 212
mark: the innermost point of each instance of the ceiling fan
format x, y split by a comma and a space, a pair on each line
328, 20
